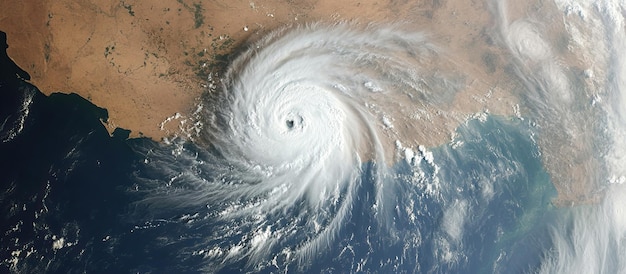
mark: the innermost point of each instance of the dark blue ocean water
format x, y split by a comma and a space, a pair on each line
66, 193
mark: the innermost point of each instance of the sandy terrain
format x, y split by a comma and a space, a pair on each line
146, 61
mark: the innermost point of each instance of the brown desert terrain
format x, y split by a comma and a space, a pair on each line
148, 62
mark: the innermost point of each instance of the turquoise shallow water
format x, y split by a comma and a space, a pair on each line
492, 201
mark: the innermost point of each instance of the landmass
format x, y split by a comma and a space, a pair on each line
149, 63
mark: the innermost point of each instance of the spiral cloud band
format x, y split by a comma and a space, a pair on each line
297, 118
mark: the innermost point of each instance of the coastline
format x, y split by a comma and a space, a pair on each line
148, 64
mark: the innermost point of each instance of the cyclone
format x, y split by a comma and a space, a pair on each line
294, 124
298, 110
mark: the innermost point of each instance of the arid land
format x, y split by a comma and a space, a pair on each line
148, 62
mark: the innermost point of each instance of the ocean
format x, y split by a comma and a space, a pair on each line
70, 192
